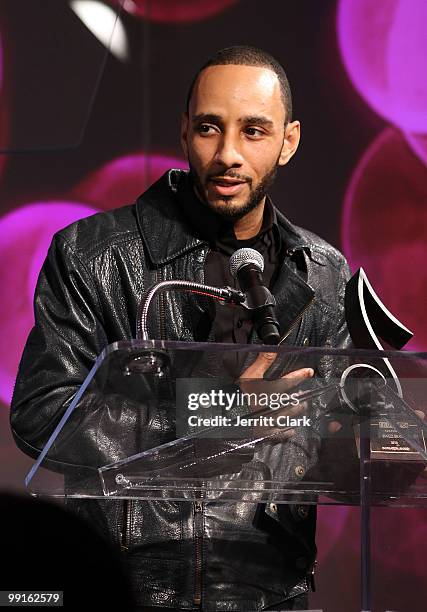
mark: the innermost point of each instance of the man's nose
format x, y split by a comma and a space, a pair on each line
228, 153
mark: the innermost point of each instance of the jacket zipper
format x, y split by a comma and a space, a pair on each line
296, 320
126, 524
128, 507
198, 519
198, 531
162, 309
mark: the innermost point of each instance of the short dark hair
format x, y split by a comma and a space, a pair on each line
245, 55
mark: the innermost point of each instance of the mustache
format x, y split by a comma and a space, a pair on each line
229, 174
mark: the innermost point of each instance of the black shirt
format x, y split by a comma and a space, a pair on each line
232, 323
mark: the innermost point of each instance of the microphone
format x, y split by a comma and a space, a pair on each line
247, 265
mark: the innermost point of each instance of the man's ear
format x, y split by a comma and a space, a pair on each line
184, 133
290, 142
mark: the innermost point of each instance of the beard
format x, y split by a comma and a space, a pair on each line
256, 196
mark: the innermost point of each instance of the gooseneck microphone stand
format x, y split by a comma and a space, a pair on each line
227, 295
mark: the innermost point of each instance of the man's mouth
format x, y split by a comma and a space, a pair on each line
226, 186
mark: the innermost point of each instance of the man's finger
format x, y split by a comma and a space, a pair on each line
334, 426
292, 379
260, 366
301, 373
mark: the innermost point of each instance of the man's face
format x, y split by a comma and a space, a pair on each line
234, 136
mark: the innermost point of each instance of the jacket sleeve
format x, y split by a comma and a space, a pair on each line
67, 336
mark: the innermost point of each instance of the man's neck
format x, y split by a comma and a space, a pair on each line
250, 225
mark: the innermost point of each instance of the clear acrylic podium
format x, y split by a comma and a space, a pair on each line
167, 420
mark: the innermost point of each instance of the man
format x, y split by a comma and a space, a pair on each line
236, 131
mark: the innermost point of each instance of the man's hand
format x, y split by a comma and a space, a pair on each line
248, 382
264, 360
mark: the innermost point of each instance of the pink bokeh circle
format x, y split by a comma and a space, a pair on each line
383, 45
25, 235
122, 180
384, 228
171, 11
418, 143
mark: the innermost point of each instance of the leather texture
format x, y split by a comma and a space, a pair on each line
209, 556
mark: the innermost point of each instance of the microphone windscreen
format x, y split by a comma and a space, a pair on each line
242, 257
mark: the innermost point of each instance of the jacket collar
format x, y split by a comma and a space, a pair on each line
165, 231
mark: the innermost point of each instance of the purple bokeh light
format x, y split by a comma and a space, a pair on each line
418, 143
383, 45
384, 228
25, 235
122, 180
171, 11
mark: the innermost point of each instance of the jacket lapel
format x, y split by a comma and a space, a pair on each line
164, 231
293, 296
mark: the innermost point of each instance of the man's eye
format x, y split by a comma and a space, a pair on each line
205, 129
254, 132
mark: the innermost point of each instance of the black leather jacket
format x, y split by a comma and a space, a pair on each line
211, 556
